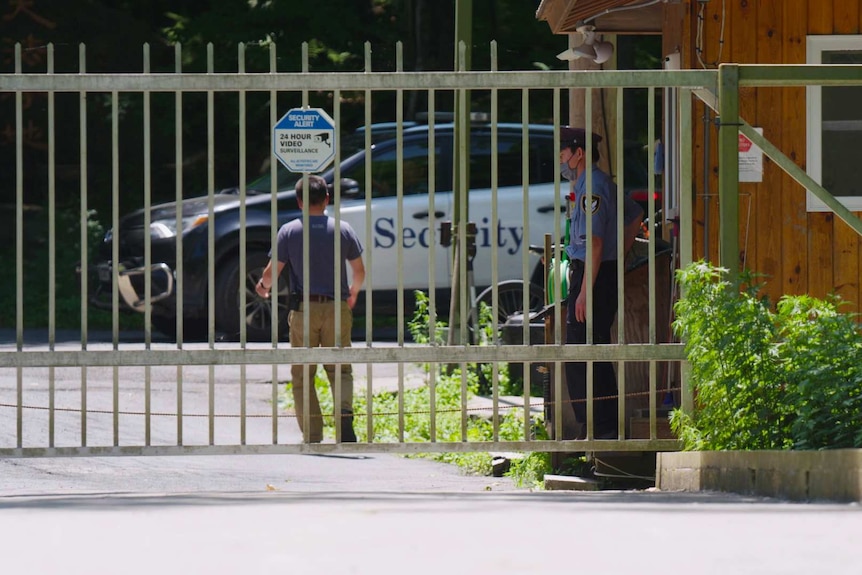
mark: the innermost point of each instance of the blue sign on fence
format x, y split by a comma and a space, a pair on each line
303, 140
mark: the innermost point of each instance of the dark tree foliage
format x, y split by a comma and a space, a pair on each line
134, 36
114, 33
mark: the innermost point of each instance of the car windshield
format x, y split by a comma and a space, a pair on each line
284, 179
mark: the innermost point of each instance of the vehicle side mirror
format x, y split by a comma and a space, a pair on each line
350, 188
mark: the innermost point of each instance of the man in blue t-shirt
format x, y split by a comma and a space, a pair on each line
602, 209
322, 300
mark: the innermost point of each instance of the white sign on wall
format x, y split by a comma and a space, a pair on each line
304, 140
750, 159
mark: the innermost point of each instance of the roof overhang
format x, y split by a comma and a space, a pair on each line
608, 16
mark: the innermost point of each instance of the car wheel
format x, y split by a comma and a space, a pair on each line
510, 299
258, 311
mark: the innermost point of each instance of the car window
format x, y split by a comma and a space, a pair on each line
384, 169
540, 161
284, 179
544, 163
350, 144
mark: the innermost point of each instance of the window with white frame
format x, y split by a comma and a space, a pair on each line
835, 125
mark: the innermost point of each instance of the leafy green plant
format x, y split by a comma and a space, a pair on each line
822, 359
419, 327
415, 405
417, 422
764, 379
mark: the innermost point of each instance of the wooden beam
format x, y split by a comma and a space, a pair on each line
565, 16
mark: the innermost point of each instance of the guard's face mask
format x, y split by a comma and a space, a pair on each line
567, 172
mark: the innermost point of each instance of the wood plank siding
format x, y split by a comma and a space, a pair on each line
798, 251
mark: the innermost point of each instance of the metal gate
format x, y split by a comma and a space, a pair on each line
76, 395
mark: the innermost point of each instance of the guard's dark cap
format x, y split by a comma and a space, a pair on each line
575, 137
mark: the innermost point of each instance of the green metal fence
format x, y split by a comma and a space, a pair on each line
112, 396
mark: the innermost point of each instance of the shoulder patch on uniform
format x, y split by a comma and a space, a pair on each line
597, 201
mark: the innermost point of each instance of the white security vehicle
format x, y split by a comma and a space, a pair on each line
514, 229
517, 225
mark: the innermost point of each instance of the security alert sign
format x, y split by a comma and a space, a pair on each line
303, 140
750, 159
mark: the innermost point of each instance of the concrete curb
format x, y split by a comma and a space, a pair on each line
834, 475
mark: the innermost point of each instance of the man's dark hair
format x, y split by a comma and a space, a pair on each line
317, 190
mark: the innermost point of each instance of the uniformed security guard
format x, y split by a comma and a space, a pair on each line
603, 210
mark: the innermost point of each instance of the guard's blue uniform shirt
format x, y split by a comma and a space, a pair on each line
604, 212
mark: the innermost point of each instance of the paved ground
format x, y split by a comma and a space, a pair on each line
369, 529
236, 474
375, 514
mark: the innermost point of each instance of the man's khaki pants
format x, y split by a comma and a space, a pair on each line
321, 334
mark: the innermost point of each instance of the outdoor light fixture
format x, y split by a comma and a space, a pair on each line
585, 45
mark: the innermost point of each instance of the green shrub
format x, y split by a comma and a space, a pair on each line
420, 328
764, 379
526, 471
417, 422
822, 359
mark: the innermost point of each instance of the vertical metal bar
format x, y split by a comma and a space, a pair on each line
652, 212
148, 249
463, 402
728, 168
399, 224
588, 199
495, 253
273, 242
432, 394
463, 151
653, 377
559, 234
19, 247
525, 384
621, 263
52, 212
308, 377
686, 233
588, 259
115, 256
525, 252
558, 400
620, 216
52, 246
211, 243
369, 328
211, 409
556, 261
178, 175
148, 252
337, 262
83, 222
241, 279
432, 262
525, 206
462, 125
399, 195
401, 424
